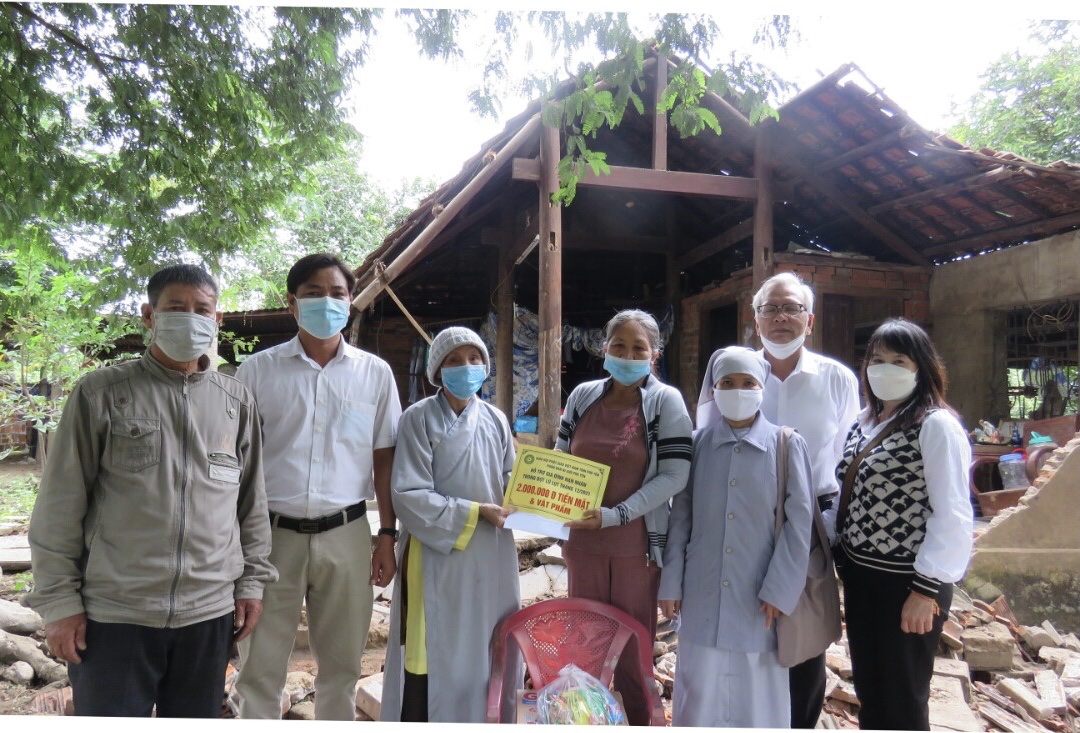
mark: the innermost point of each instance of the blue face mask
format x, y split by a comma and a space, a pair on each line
464, 381
323, 318
627, 371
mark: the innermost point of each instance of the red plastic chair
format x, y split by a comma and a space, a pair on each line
560, 631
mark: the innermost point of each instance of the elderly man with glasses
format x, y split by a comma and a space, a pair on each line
818, 397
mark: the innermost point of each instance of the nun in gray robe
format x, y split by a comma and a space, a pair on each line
725, 573
458, 571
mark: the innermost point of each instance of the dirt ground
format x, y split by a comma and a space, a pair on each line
18, 466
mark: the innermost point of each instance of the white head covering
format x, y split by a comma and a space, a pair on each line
448, 340
731, 360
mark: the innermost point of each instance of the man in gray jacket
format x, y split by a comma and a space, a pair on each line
150, 538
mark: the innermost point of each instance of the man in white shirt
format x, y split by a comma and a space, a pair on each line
818, 397
329, 413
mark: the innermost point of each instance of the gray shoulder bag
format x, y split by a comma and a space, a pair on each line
815, 622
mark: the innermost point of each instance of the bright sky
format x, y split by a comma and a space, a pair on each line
925, 56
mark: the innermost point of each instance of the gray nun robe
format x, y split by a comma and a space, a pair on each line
443, 463
722, 561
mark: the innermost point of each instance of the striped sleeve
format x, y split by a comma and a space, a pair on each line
681, 447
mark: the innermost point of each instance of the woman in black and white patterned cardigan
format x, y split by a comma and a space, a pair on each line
904, 526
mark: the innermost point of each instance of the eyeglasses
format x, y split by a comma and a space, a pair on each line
788, 309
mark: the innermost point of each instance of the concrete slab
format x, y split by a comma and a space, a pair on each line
988, 647
958, 670
948, 709
14, 542
369, 696
1050, 690
14, 553
559, 579
535, 584
1070, 672
551, 556
1025, 697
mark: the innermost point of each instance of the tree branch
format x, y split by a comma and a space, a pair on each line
95, 57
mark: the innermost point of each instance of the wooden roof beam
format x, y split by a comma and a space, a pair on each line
652, 181
444, 217
1000, 236
1072, 173
660, 120
726, 240
853, 210
1017, 199
636, 243
980, 180
870, 148
939, 231
726, 220
876, 182
813, 90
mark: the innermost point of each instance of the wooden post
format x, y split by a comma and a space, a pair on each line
550, 289
763, 206
504, 318
673, 286
659, 143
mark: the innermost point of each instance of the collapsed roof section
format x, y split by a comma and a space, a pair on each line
852, 175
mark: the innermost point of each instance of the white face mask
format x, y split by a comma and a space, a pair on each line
182, 336
737, 404
783, 351
890, 382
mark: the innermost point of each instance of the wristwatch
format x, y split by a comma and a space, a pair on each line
389, 532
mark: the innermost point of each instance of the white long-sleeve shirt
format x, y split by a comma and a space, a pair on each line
820, 400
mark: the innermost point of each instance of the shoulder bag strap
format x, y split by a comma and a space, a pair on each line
781, 486
852, 472
781, 477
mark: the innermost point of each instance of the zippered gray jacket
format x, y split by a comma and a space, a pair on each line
151, 508
669, 444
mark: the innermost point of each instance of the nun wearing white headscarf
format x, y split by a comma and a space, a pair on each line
725, 573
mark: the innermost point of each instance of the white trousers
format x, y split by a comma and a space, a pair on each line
331, 572
717, 688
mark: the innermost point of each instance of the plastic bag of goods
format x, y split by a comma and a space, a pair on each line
575, 697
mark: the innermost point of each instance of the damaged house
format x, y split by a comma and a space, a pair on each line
880, 216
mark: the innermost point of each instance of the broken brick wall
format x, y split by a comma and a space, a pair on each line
14, 434
1031, 553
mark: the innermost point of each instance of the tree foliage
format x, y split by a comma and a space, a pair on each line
1029, 104
131, 134
159, 129
603, 89
53, 334
336, 208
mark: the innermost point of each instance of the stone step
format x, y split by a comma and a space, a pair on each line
14, 553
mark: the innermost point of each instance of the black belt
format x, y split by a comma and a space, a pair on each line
321, 524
